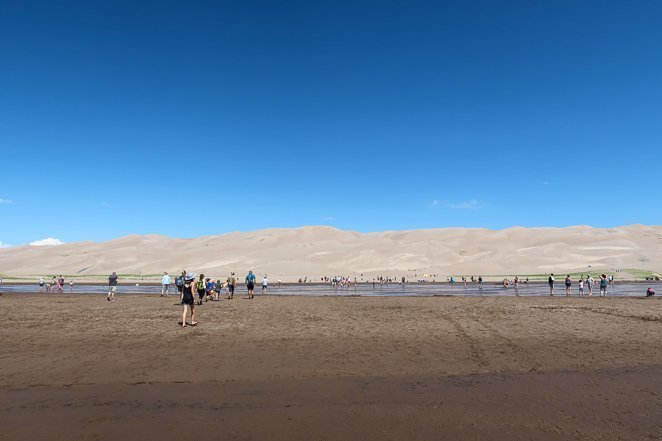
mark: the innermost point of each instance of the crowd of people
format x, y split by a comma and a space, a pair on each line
196, 289
56, 284
585, 282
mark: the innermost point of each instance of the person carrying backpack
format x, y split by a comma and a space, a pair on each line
201, 286
250, 284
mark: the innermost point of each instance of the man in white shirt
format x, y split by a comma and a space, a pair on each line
165, 285
265, 282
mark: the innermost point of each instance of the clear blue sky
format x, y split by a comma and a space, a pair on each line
191, 118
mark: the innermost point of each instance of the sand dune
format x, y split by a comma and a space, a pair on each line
315, 251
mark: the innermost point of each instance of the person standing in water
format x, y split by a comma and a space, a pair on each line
550, 282
42, 284
232, 281
112, 286
581, 286
265, 283
589, 283
165, 284
71, 286
188, 300
250, 284
568, 285
603, 285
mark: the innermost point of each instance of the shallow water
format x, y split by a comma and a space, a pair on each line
393, 289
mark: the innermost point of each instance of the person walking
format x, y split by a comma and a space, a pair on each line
179, 283
568, 285
232, 281
218, 287
200, 287
42, 284
603, 285
188, 300
71, 286
165, 284
265, 283
250, 284
550, 282
112, 286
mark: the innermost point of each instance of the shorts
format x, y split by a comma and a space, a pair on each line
231, 288
112, 289
250, 286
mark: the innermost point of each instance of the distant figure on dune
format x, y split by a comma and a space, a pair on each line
250, 285
165, 284
550, 282
188, 300
112, 286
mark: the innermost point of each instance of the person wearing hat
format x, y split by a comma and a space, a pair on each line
265, 283
188, 300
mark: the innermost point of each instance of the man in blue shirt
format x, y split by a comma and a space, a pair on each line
250, 284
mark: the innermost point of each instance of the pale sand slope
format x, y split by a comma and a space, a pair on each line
316, 251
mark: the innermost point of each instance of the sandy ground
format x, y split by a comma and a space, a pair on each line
78, 367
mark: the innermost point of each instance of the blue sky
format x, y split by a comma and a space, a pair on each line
193, 118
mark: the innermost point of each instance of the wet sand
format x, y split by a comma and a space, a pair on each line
302, 368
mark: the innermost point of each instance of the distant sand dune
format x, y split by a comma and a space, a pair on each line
317, 251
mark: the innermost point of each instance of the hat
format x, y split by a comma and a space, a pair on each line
189, 276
